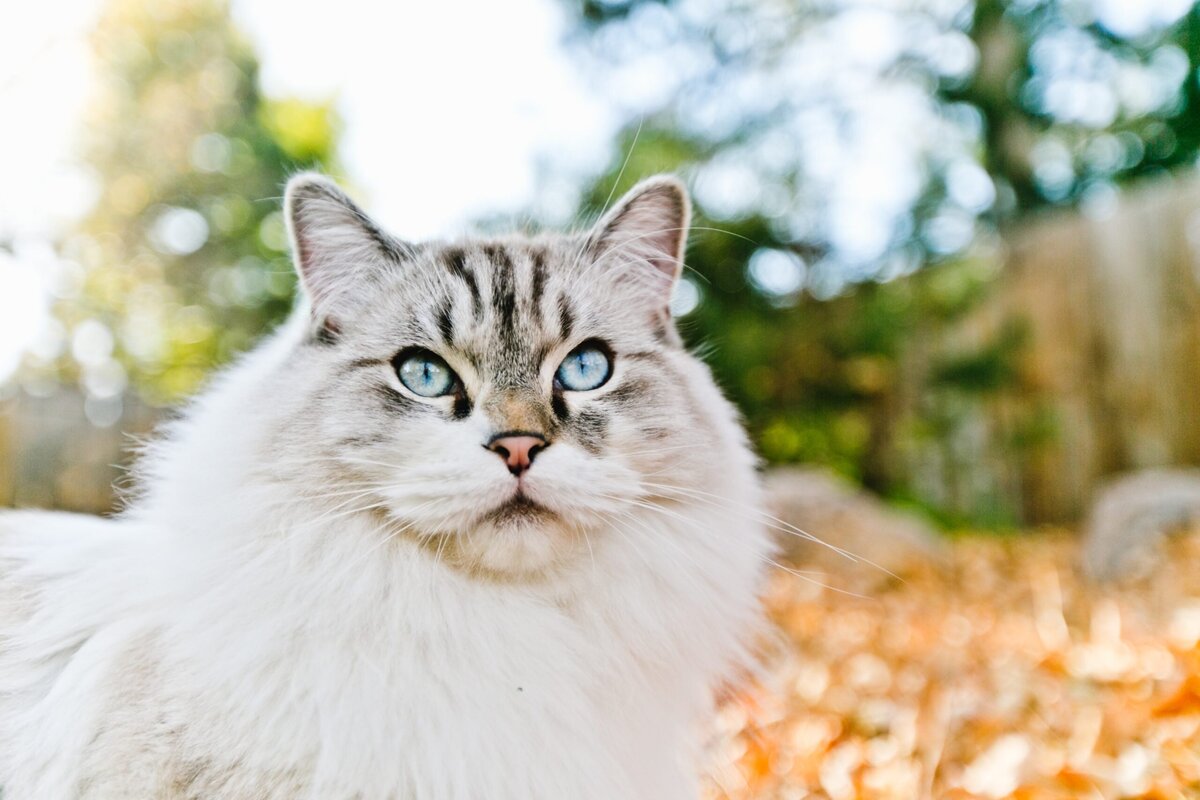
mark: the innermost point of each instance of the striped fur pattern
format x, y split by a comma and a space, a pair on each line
329, 587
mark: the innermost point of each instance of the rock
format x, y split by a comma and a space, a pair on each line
1132, 516
849, 519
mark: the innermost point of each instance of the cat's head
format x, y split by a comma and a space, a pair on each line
498, 399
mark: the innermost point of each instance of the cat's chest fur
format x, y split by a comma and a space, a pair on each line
312, 672
508, 689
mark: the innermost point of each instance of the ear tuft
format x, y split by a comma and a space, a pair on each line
336, 247
649, 225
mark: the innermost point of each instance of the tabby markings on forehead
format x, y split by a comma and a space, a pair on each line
456, 263
566, 319
538, 257
445, 321
504, 289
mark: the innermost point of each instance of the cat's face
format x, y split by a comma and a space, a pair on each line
497, 400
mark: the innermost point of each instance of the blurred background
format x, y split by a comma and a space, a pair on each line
948, 249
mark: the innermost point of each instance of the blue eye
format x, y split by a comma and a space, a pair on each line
426, 374
587, 367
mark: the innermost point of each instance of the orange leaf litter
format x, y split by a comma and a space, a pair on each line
1003, 675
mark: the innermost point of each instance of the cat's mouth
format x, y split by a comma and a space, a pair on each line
520, 508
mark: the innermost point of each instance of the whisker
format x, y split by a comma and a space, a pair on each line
802, 575
621, 173
585, 240
392, 534
776, 523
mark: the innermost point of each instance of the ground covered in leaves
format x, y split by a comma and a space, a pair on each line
1000, 674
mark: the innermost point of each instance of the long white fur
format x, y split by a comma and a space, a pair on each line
235, 635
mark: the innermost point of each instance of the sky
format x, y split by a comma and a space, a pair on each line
444, 121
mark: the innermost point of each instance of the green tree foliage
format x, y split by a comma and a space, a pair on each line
1073, 100
183, 255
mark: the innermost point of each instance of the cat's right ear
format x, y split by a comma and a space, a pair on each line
339, 252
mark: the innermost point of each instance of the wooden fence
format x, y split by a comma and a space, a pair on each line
1111, 366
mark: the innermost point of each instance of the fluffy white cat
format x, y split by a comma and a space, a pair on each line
473, 524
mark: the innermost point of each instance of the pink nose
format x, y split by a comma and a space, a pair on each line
517, 450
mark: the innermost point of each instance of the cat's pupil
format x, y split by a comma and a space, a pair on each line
589, 364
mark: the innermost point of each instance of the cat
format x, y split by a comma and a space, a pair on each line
473, 523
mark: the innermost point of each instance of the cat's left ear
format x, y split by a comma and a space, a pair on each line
340, 253
648, 227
